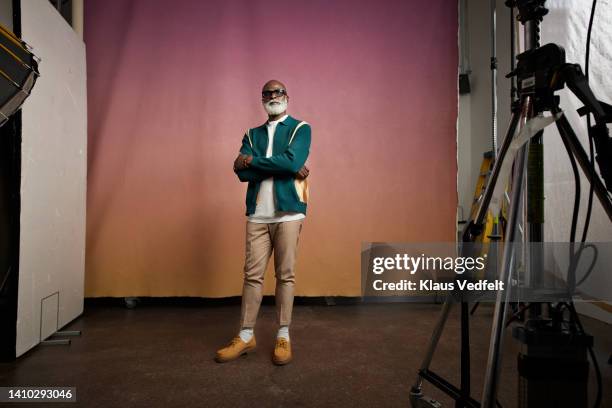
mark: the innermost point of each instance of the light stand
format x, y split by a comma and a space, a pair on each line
540, 72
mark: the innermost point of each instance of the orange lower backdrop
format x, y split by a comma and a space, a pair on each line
172, 90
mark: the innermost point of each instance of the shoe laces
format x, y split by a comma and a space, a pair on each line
235, 341
282, 343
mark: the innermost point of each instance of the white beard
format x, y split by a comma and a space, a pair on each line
274, 108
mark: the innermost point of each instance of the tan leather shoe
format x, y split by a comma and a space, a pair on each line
282, 351
234, 349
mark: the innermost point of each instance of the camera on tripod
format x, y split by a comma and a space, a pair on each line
541, 72
535, 72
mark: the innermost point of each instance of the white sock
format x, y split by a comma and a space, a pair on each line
246, 334
283, 332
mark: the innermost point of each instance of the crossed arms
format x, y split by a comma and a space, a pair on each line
290, 163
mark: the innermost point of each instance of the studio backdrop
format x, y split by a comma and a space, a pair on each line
172, 88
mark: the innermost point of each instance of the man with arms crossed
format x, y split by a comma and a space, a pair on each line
271, 160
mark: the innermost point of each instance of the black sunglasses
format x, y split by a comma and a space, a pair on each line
273, 93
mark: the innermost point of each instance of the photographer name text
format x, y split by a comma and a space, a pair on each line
431, 285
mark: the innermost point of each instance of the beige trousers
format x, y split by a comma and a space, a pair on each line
261, 240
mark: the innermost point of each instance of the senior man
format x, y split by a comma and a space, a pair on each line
272, 160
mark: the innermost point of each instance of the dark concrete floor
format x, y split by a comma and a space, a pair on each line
344, 356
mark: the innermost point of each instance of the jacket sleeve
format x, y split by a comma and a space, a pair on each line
249, 174
291, 160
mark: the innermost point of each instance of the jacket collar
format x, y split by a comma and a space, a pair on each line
287, 121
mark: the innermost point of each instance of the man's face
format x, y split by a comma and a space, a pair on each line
274, 98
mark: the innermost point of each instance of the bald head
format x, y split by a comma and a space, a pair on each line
274, 99
273, 84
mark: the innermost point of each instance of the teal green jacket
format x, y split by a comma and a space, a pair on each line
290, 150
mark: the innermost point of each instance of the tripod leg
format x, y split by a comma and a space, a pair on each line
495, 347
486, 198
469, 235
474, 308
433, 343
568, 135
465, 354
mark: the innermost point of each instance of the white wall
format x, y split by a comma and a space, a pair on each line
474, 123
53, 185
465, 183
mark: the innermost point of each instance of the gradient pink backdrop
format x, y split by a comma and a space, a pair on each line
174, 85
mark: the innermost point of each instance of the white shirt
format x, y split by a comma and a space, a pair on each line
265, 212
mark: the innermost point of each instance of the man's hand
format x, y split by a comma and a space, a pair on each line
303, 173
242, 162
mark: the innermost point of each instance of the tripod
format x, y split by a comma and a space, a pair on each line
540, 72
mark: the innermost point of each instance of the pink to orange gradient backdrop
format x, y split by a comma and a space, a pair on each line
172, 87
